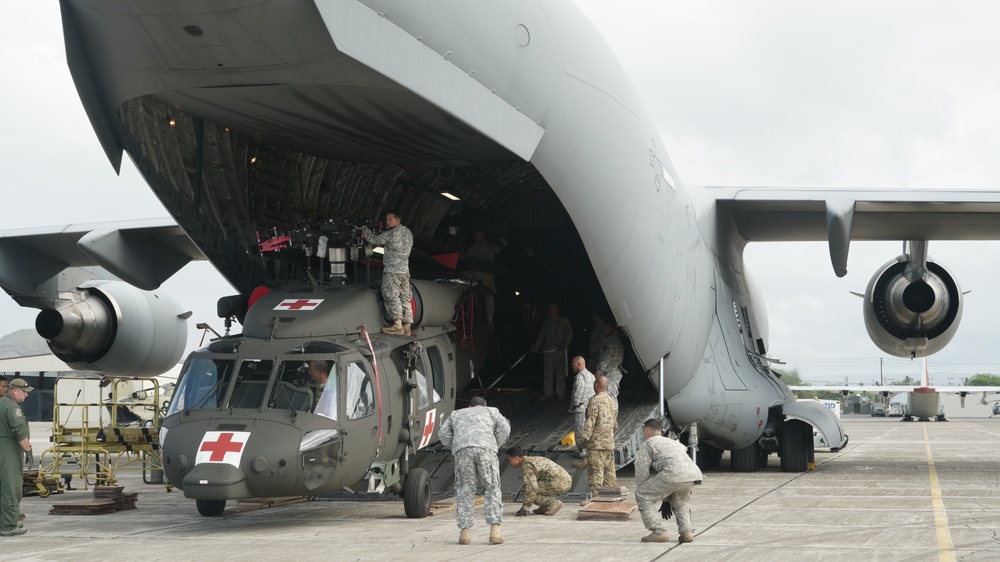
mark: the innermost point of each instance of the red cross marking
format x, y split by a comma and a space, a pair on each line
301, 303
219, 448
428, 430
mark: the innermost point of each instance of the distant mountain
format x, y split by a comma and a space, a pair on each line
22, 343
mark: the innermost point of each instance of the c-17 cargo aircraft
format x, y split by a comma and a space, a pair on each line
923, 402
263, 125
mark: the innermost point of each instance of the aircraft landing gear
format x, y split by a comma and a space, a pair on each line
417, 494
745, 459
211, 508
796, 446
940, 417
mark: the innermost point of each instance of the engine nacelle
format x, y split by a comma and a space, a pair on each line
912, 318
116, 329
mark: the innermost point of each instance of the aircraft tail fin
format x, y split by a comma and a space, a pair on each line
449, 260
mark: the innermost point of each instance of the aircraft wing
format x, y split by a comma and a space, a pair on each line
143, 252
854, 388
895, 389
767, 214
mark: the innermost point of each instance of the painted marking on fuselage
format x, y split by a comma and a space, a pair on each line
222, 446
298, 304
428, 428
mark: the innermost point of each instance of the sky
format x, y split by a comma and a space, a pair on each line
769, 93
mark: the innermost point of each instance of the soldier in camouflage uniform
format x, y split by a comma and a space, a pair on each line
484, 250
543, 481
397, 240
15, 451
609, 360
474, 435
664, 472
583, 391
599, 437
553, 340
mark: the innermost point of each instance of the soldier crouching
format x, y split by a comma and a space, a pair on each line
664, 472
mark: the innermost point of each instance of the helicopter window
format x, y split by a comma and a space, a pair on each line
294, 389
437, 370
360, 396
202, 384
418, 374
251, 383
322, 382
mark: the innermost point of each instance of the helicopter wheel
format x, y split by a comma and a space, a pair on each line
211, 508
417, 494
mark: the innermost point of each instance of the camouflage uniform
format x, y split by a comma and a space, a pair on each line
397, 242
474, 436
13, 430
609, 363
553, 339
485, 250
599, 439
664, 472
583, 391
543, 481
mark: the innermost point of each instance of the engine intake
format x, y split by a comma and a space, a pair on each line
116, 329
912, 317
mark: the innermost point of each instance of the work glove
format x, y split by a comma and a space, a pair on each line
523, 512
29, 458
665, 510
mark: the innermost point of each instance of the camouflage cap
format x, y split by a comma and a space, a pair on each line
21, 384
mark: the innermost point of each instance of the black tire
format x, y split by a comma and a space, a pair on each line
762, 459
745, 459
417, 494
211, 508
708, 457
796, 442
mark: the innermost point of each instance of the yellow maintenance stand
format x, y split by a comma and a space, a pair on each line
93, 435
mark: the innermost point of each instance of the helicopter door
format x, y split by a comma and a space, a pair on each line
361, 404
429, 375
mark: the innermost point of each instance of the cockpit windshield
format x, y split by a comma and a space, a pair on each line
203, 384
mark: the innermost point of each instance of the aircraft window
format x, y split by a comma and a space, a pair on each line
294, 389
318, 347
360, 394
251, 383
202, 384
323, 383
418, 373
437, 369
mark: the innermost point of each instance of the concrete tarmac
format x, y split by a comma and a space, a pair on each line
899, 491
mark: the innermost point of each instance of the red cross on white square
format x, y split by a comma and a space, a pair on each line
222, 446
298, 304
428, 428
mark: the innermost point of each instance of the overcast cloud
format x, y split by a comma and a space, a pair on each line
804, 94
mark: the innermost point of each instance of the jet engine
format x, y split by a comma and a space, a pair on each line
114, 328
912, 307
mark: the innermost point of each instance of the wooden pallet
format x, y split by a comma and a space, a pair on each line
448, 504
83, 508
607, 511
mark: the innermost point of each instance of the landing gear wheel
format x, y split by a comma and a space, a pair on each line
762, 459
417, 494
745, 459
43, 490
708, 457
796, 443
211, 508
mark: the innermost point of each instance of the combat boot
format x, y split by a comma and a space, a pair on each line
686, 537
21, 530
656, 536
396, 329
495, 536
553, 508
465, 537
407, 328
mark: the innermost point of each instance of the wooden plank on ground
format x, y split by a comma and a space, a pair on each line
607, 511
448, 504
251, 504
